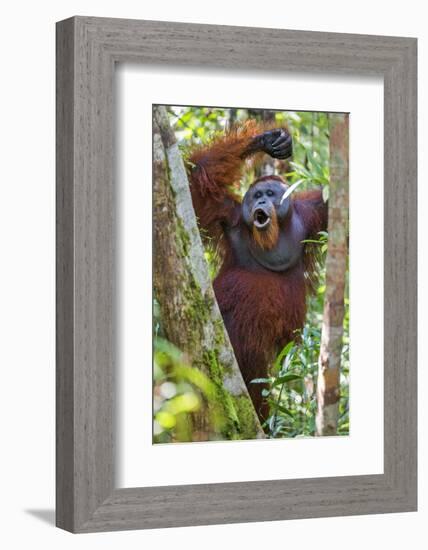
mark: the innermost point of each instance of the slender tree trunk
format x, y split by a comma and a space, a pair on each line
233, 115
328, 385
190, 315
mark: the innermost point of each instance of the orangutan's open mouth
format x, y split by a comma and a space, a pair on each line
261, 218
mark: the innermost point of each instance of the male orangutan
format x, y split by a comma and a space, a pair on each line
266, 268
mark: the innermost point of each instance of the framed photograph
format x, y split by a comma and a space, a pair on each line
236, 274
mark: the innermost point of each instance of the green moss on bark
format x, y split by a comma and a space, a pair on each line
245, 412
182, 239
239, 421
230, 425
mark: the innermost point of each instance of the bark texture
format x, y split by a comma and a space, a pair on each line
328, 385
190, 315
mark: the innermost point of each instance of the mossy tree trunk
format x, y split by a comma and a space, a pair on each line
328, 385
191, 319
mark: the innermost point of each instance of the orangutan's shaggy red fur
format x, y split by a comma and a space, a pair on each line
261, 308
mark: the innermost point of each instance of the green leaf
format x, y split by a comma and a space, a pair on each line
286, 378
284, 352
272, 420
325, 193
311, 241
261, 381
166, 419
284, 410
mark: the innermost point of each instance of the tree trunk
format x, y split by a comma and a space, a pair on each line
190, 315
328, 385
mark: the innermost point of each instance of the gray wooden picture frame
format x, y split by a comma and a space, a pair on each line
87, 50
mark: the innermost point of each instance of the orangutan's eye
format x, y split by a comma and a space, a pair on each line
257, 195
269, 193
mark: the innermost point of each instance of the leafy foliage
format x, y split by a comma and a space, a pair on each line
179, 390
